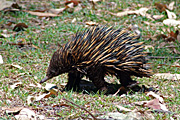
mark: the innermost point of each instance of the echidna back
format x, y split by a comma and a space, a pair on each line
114, 50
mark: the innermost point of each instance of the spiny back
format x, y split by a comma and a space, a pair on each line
112, 49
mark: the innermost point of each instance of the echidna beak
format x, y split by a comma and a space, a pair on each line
44, 79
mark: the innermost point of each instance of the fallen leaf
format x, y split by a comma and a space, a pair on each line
171, 6
30, 99
15, 85
161, 7
121, 109
141, 11
57, 11
157, 17
52, 88
155, 104
152, 94
74, 20
12, 110
178, 37
176, 51
5, 4
146, 47
26, 114
78, 8
171, 15
135, 29
91, 23
174, 35
40, 14
70, 5
1, 59
171, 22
16, 66
170, 39
168, 76
152, 24
20, 27
62, 104
95, 1
121, 116
45, 95
75, 2
15, 5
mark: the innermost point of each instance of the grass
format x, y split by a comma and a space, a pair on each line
47, 34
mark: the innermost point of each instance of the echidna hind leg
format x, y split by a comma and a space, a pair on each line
73, 81
99, 82
125, 79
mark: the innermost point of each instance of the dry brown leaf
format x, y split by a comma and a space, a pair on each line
171, 15
20, 26
174, 35
155, 104
40, 14
161, 7
178, 37
168, 76
62, 104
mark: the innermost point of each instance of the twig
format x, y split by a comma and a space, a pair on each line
161, 57
162, 111
81, 108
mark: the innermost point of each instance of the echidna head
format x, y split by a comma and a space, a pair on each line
55, 67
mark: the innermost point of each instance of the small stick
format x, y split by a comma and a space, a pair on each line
161, 57
81, 108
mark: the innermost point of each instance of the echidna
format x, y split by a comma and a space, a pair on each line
97, 52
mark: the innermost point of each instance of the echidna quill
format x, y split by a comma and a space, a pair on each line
97, 52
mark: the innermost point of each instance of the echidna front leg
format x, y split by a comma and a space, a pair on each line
73, 81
